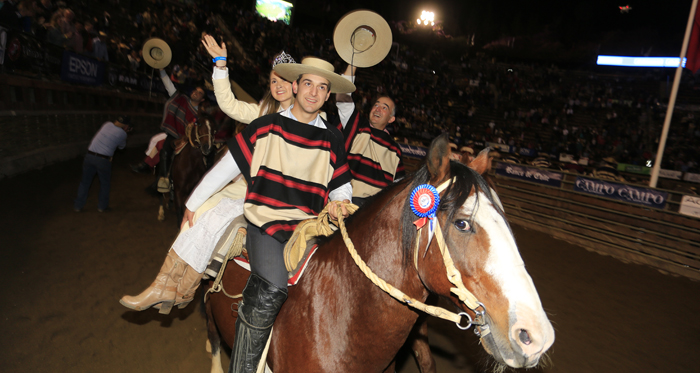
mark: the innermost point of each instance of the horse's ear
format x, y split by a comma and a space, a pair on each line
482, 163
438, 159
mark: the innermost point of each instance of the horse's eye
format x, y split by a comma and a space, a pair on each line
463, 225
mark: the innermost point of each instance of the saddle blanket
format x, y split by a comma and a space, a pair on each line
293, 277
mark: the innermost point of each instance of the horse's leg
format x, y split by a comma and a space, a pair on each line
213, 339
420, 347
161, 209
418, 341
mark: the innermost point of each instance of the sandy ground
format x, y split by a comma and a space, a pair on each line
63, 273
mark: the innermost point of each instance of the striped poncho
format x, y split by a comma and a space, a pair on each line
177, 114
290, 167
373, 156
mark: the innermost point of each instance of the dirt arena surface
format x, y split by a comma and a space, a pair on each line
63, 273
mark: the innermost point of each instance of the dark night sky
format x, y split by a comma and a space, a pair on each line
660, 24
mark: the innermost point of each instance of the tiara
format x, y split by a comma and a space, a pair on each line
282, 58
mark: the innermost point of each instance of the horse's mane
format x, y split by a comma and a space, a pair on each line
455, 195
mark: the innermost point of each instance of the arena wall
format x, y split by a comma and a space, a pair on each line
661, 238
44, 122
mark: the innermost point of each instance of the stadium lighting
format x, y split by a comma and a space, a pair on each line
426, 18
640, 61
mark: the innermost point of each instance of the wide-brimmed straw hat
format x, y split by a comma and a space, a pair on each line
156, 53
362, 38
315, 66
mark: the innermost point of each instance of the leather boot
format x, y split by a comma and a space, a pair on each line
163, 290
187, 287
256, 313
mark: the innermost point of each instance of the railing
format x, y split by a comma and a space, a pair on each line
662, 238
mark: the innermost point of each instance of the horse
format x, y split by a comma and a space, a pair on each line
336, 319
190, 164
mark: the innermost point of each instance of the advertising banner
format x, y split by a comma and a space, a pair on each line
693, 178
527, 152
81, 70
670, 174
531, 174
25, 53
690, 206
413, 151
634, 169
622, 192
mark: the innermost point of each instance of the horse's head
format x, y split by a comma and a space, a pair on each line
496, 290
202, 135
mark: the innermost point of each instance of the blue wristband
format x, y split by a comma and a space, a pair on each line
218, 59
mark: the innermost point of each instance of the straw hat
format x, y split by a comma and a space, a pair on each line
362, 38
315, 66
156, 53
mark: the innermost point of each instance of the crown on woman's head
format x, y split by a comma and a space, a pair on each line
282, 58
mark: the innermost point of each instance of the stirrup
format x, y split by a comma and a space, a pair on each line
163, 185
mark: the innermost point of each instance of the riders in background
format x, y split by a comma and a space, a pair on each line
179, 110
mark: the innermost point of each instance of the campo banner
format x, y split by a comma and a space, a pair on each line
622, 192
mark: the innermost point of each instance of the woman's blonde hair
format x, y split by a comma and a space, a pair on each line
268, 105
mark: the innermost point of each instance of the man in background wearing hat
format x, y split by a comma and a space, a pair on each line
98, 160
180, 110
373, 155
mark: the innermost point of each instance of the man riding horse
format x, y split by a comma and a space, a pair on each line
294, 163
180, 110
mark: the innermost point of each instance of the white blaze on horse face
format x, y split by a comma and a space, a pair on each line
507, 269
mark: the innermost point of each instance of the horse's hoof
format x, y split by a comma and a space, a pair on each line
165, 308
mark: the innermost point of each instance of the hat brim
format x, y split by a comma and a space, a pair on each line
156, 53
292, 71
343, 34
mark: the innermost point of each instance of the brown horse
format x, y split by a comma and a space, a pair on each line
335, 319
190, 164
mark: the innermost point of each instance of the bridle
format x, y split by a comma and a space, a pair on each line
481, 328
198, 138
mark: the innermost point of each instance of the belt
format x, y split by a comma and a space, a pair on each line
100, 155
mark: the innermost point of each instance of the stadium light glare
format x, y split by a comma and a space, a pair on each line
639, 61
427, 18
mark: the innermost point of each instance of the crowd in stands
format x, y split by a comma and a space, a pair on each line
592, 115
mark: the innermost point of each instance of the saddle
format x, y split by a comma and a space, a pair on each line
231, 246
178, 145
297, 252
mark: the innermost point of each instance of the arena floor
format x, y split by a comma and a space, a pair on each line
64, 272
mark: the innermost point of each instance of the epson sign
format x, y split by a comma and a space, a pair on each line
82, 66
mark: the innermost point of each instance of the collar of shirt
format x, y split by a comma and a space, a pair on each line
317, 122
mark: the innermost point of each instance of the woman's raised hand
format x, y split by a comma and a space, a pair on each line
213, 48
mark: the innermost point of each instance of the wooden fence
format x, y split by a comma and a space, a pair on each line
664, 239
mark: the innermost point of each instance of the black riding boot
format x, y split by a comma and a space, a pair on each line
256, 313
166, 155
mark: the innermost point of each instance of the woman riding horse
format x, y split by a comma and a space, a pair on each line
177, 281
